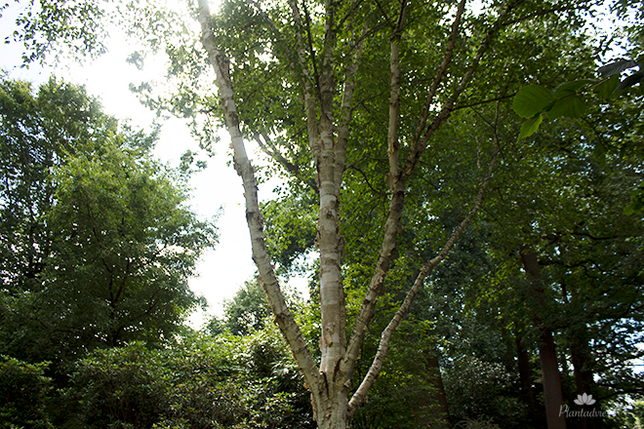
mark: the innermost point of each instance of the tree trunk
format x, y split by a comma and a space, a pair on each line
547, 351
551, 380
583, 377
580, 361
330, 382
334, 413
438, 399
316, 382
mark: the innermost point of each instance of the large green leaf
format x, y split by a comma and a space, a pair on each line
607, 88
530, 126
616, 67
633, 79
571, 87
531, 99
571, 106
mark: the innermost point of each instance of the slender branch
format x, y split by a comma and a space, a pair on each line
269, 21
383, 348
639, 390
327, 83
352, 9
384, 14
268, 147
309, 40
307, 84
346, 111
439, 76
364, 100
448, 108
396, 204
394, 99
488, 101
366, 180
397, 181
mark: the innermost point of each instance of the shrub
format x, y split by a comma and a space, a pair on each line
24, 391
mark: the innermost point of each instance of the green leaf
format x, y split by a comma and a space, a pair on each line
530, 100
633, 79
571, 106
616, 67
636, 205
568, 87
530, 126
607, 88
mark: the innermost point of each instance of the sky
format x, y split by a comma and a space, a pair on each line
217, 189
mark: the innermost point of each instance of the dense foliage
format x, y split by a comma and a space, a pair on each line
24, 390
98, 243
200, 382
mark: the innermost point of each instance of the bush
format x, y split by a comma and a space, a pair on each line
24, 391
198, 383
120, 388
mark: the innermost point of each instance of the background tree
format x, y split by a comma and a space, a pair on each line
103, 241
569, 205
38, 132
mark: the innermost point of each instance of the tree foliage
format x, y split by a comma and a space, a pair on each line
99, 240
24, 390
224, 381
49, 29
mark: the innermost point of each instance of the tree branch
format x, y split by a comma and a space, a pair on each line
308, 86
383, 348
478, 103
366, 180
347, 110
439, 76
283, 316
397, 187
268, 147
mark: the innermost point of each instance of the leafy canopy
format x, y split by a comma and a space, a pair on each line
100, 240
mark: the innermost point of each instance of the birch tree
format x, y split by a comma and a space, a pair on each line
326, 44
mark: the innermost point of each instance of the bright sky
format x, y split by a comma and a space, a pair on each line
222, 270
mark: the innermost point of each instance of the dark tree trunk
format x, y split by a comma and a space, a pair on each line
437, 400
583, 377
547, 351
551, 380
